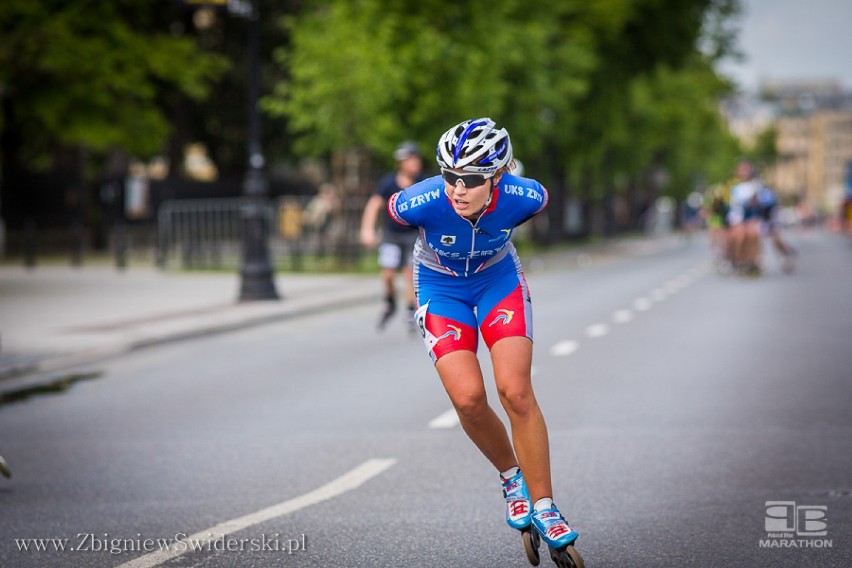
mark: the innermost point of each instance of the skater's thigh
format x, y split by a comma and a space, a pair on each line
446, 323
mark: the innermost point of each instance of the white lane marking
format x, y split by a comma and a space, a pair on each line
658, 294
622, 316
564, 348
597, 330
642, 304
697, 271
346, 482
448, 419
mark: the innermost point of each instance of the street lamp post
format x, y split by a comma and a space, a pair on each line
256, 274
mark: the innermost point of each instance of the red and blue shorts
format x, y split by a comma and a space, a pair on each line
496, 302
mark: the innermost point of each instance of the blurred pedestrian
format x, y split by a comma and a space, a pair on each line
320, 213
397, 242
319, 210
468, 276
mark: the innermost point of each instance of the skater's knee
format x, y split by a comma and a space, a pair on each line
519, 402
471, 407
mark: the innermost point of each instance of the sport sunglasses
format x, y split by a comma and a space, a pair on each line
468, 180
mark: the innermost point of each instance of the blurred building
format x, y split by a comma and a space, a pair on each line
748, 116
813, 120
814, 153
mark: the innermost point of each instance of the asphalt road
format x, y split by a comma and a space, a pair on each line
679, 402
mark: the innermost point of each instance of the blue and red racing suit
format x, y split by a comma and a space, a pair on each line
467, 274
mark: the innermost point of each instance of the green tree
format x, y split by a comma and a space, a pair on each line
677, 112
764, 152
93, 75
653, 86
368, 73
576, 82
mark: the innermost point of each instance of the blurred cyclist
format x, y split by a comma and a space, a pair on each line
769, 203
716, 216
745, 218
397, 241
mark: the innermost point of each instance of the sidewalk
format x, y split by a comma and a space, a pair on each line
55, 317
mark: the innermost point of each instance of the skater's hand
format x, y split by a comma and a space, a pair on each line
369, 238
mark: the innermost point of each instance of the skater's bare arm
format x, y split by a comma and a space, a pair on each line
368, 220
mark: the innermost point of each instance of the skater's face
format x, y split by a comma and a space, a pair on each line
745, 170
410, 166
469, 193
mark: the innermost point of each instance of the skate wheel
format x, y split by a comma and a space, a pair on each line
567, 557
531, 542
576, 559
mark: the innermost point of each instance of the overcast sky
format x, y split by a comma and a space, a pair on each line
794, 39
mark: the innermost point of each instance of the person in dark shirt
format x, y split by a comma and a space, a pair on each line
397, 242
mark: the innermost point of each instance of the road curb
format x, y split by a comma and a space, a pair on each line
47, 369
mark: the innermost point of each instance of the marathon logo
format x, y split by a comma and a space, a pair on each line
790, 525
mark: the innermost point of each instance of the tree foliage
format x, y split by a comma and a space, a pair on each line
597, 91
369, 73
764, 152
93, 73
598, 95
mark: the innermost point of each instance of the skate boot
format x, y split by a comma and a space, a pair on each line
553, 528
518, 504
388, 312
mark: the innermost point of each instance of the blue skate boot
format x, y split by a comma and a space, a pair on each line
518, 504
553, 528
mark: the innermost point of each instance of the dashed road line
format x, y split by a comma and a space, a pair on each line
622, 316
343, 484
448, 419
564, 348
641, 304
658, 294
597, 330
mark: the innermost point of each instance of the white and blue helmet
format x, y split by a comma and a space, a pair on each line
475, 146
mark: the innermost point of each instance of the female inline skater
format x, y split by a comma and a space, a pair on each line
468, 276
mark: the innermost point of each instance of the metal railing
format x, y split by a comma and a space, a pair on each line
207, 233
200, 232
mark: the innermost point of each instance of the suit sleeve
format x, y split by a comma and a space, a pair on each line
410, 207
397, 209
534, 203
